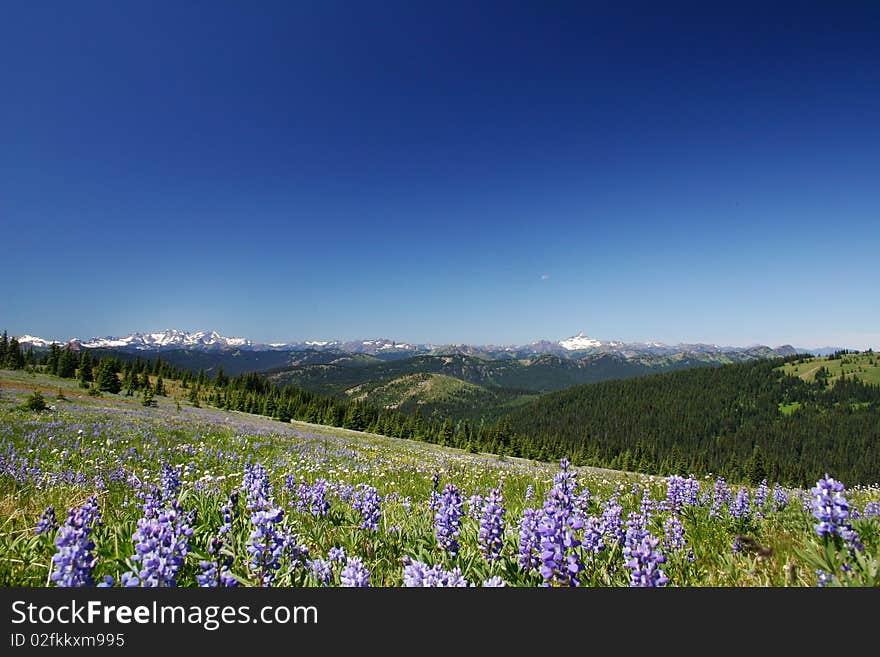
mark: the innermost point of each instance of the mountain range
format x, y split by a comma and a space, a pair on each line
575, 347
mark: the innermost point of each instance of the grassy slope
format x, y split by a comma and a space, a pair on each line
15, 385
865, 366
436, 394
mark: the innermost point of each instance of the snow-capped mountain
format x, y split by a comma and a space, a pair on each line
34, 341
580, 341
168, 339
576, 346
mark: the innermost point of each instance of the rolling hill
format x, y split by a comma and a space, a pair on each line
749, 419
437, 395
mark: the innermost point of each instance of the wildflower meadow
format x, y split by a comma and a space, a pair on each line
99, 492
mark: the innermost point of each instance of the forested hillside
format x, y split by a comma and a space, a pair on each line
744, 420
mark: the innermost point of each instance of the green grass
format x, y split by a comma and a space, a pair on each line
788, 409
864, 366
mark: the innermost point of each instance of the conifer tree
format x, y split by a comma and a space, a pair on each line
85, 374
14, 359
105, 377
52, 361
66, 364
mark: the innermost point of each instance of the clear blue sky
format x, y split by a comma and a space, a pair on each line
447, 172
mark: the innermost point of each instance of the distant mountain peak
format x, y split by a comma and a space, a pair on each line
580, 341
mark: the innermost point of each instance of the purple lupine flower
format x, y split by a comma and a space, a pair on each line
780, 497
161, 542
492, 525
641, 556
674, 534
447, 520
494, 582
647, 506
296, 552
832, 510
170, 481
267, 542
825, 579
593, 535
872, 510
344, 491
612, 520
313, 499
455, 579
354, 574
529, 540
255, 484
675, 492
530, 492
691, 495
674, 538
681, 492
761, 496
644, 560
418, 574
367, 501
636, 528
721, 495
322, 571
48, 522
336, 554
560, 564
73, 562
741, 507
830, 507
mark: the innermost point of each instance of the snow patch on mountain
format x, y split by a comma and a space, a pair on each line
580, 341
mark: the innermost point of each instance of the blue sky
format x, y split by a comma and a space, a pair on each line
446, 172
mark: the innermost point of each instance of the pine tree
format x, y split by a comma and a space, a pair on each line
14, 359
105, 377
52, 361
755, 469
160, 387
85, 370
148, 398
66, 364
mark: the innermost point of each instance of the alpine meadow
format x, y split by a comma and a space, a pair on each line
306, 296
